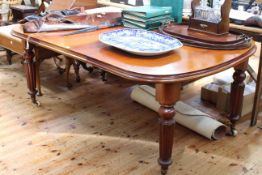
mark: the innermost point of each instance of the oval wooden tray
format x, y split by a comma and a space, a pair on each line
194, 38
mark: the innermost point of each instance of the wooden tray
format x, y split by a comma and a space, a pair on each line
194, 38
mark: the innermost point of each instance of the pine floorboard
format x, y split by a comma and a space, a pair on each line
96, 129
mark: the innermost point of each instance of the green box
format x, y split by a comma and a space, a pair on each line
177, 6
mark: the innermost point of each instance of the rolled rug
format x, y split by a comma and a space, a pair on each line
186, 115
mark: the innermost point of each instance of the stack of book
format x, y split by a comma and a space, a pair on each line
146, 17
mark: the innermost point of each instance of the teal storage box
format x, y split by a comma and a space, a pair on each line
177, 7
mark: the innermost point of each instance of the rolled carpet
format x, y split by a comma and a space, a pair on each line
186, 115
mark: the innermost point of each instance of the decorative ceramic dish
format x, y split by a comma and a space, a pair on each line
140, 42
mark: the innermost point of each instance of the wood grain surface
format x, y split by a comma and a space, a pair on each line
76, 133
186, 63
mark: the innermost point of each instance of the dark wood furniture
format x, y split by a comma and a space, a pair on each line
219, 28
13, 44
9, 53
256, 33
60, 5
195, 38
167, 72
21, 11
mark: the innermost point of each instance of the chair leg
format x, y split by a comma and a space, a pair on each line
9, 56
258, 93
69, 62
60, 70
76, 65
104, 75
38, 80
90, 69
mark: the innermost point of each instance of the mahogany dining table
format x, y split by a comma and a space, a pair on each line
168, 72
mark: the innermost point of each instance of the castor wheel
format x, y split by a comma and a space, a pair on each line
39, 94
163, 172
232, 132
37, 103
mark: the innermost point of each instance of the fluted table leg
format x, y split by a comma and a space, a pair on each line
167, 95
236, 98
30, 72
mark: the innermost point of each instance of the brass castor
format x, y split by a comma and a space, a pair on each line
37, 103
39, 94
163, 171
232, 132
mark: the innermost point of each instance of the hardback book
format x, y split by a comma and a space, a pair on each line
158, 18
143, 25
120, 1
146, 12
147, 24
147, 27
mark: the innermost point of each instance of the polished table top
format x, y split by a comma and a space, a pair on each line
186, 63
166, 71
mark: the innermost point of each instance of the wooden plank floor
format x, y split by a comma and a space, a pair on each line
95, 129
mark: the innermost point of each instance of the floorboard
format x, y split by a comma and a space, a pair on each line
96, 129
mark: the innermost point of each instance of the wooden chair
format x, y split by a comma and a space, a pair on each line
65, 4
11, 2
16, 45
60, 5
256, 34
257, 106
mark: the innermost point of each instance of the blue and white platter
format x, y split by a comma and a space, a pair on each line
140, 42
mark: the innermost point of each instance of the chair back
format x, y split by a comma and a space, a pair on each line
67, 4
10, 2
61, 4
87, 4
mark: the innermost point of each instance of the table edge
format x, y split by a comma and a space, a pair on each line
136, 76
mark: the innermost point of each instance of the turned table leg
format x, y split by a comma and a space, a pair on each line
167, 95
38, 79
236, 97
30, 71
38, 62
